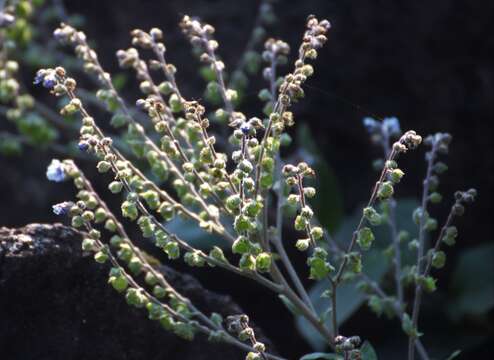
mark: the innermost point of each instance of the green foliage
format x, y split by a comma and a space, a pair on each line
472, 283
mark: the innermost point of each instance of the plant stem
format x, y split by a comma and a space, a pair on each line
393, 228
421, 249
372, 198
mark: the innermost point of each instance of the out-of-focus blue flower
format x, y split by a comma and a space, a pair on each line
370, 124
245, 128
49, 81
40, 76
83, 145
55, 171
391, 125
62, 208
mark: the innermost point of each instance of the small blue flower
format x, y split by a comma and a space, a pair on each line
370, 124
83, 145
391, 125
245, 128
40, 76
49, 81
55, 171
62, 208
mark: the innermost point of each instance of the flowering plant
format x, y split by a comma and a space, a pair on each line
234, 187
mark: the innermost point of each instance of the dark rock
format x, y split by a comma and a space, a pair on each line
55, 303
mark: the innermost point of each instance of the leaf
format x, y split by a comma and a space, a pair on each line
190, 232
328, 202
320, 355
473, 282
368, 352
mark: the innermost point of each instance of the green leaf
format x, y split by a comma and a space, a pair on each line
328, 202
320, 355
195, 236
368, 352
472, 283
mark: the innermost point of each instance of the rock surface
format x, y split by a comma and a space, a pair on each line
55, 303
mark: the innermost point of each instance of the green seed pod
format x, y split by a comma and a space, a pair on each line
116, 241
438, 259
91, 202
150, 279
135, 298
159, 292
310, 192
135, 265
193, 258
395, 175
175, 103
268, 164
89, 244
103, 166
99, 215
253, 208
110, 225
263, 262
233, 202
372, 216
435, 198
355, 262
293, 199
167, 211
428, 283
119, 283
172, 250
241, 245
129, 210
365, 238
165, 88
160, 238
87, 216
450, 235
385, 190
306, 212
101, 257
300, 223
302, 244
319, 267
155, 311
242, 224
152, 198
247, 262
125, 253
317, 232
217, 254
430, 224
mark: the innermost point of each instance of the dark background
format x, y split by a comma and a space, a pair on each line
429, 63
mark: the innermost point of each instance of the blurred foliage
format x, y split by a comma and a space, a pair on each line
472, 283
